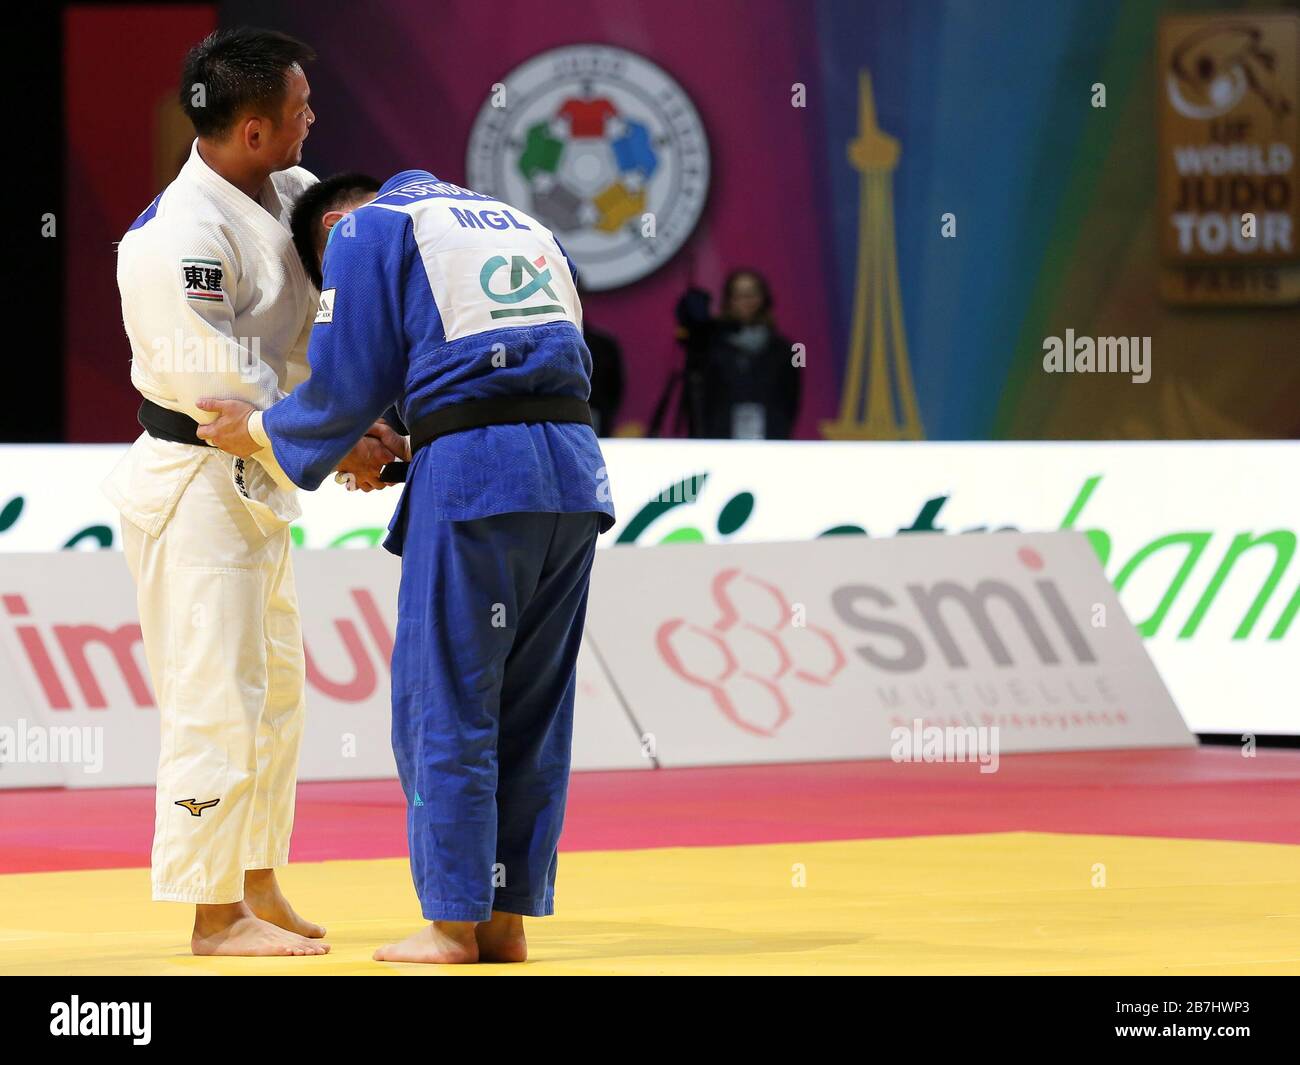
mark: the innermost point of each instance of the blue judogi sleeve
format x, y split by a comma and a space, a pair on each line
393, 418
358, 353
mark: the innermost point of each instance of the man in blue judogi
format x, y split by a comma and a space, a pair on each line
457, 314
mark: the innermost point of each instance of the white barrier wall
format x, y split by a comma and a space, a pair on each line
71, 659
1198, 537
696, 655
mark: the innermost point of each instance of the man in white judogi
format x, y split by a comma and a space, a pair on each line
216, 302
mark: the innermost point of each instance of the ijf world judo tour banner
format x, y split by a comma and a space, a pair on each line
694, 655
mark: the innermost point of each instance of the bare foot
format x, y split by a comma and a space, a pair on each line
234, 931
263, 896
502, 938
441, 943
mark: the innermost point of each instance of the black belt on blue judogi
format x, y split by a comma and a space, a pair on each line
481, 413
169, 424
180, 428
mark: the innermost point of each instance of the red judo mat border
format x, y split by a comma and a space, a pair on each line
1205, 793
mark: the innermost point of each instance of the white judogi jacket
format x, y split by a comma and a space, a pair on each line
216, 304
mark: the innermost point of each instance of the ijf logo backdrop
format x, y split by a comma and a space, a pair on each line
605, 148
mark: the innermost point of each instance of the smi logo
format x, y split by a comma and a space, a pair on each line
909, 654
758, 655
758, 651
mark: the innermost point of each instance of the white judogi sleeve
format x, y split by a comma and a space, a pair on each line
185, 300
182, 304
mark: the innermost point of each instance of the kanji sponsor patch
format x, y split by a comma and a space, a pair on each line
325, 312
202, 280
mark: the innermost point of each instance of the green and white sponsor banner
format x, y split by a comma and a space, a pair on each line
1198, 538
851, 648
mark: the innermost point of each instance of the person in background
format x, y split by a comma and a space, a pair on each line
606, 379
741, 381
606, 370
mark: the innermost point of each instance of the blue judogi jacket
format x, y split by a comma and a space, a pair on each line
435, 295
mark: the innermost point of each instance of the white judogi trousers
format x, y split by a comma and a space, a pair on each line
219, 615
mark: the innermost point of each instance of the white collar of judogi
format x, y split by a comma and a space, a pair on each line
264, 214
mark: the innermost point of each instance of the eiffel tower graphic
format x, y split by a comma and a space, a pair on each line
878, 401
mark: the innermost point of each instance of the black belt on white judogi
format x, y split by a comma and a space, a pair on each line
169, 424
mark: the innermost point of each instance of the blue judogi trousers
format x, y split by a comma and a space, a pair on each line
490, 618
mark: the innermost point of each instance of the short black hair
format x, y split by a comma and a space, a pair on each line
323, 197
238, 69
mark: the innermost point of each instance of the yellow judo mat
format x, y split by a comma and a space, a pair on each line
1006, 903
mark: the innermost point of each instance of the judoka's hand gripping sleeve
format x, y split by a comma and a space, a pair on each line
358, 356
